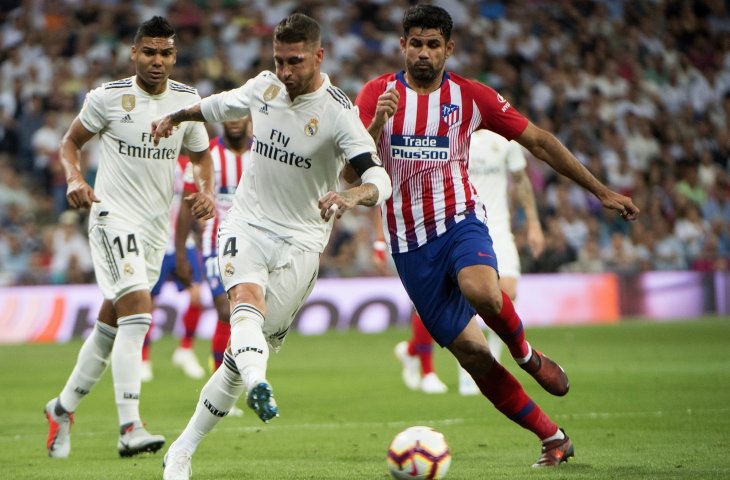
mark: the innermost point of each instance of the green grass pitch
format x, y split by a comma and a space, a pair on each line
647, 401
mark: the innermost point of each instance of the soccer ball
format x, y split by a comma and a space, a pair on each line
419, 453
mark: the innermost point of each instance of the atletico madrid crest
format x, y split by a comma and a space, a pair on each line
449, 113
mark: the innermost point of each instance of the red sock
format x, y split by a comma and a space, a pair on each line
421, 344
506, 393
190, 321
219, 342
508, 326
146, 345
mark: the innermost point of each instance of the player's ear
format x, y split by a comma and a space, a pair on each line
133, 53
449, 48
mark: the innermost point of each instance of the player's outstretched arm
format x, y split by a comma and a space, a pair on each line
79, 193
162, 127
547, 148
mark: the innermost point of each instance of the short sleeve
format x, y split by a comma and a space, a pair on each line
93, 113
196, 137
515, 157
498, 115
351, 136
228, 105
367, 100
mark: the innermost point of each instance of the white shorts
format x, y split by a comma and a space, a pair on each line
508, 260
248, 254
123, 261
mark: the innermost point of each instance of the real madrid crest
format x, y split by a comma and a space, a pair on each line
311, 128
229, 270
271, 92
128, 270
128, 102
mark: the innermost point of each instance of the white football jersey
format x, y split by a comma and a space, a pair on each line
298, 151
491, 159
135, 178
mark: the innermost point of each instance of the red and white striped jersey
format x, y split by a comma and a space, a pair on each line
228, 169
425, 149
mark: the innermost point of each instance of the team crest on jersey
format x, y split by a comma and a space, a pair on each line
128, 270
311, 128
449, 113
228, 271
271, 92
128, 102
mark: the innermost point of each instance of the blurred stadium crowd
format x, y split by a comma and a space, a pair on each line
639, 91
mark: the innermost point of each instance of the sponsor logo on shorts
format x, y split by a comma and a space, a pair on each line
482, 254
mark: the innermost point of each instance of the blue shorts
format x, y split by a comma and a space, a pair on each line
212, 273
429, 275
167, 271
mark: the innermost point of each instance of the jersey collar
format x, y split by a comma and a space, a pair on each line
401, 77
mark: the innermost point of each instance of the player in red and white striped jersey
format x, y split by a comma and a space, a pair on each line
231, 156
422, 119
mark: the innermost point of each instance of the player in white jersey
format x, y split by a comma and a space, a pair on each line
128, 225
305, 131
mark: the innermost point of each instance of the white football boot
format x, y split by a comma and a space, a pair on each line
136, 439
58, 443
185, 359
177, 464
432, 384
411, 366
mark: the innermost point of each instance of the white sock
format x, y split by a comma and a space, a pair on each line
216, 399
127, 365
496, 345
559, 435
526, 358
90, 365
248, 344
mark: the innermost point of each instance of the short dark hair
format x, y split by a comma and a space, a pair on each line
296, 28
155, 27
427, 16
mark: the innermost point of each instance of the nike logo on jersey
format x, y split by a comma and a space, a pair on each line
127, 119
482, 254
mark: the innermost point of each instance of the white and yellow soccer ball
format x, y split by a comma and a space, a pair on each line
419, 453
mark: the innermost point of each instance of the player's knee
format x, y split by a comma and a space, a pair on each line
476, 360
487, 301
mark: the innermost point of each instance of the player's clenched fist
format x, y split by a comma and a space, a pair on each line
386, 106
201, 205
80, 194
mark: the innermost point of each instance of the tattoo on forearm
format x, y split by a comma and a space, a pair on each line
186, 115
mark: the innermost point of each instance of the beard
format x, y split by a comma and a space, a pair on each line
422, 72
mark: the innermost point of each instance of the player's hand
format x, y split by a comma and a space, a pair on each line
80, 194
622, 204
183, 270
162, 127
386, 106
535, 238
201, 205
335, 204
